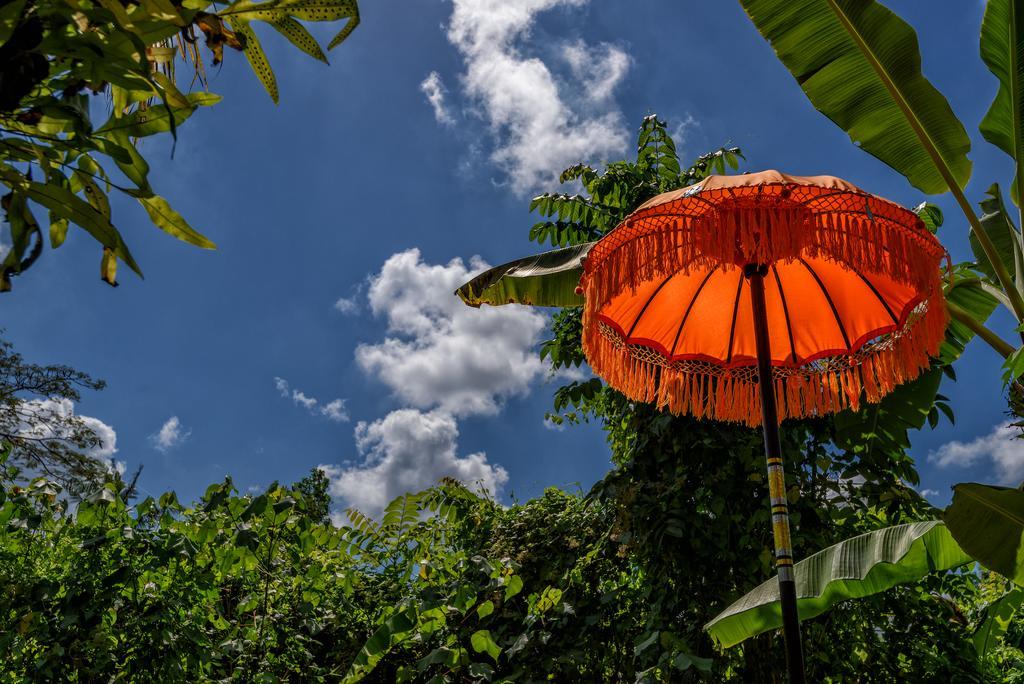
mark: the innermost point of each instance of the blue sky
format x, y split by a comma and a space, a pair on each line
387, 177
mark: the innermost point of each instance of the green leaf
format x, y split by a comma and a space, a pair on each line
136, 168
484, 609
988, 521
23, 228
481, 641
965, 291
861, 566
998, 615
394, 630
930, 214
1002, 47
64, 203
884, 427
158, 118
1013, 366
859, 64
298, 36
170, 221
257, 58
547, 279
1004, 236
514, 586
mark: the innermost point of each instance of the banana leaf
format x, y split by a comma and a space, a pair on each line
970, 294
1002, 45
860, 66
857, 567
1003, 234
547, 279
998, 616
988, 522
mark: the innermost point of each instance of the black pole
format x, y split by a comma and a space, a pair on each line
776, 477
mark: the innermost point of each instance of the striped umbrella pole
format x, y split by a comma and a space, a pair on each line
755, 274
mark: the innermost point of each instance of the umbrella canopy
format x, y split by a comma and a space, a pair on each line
851, 284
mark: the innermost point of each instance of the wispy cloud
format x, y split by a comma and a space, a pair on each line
170, 435
1001, 448
434, 89
347, 305
333, 410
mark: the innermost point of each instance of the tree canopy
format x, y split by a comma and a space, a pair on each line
140, 68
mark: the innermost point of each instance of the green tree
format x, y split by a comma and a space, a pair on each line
39, 426
61, 62
314, 489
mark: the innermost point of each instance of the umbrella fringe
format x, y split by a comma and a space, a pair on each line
705, 390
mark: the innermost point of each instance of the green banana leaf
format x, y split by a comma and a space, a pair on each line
998, 615
860, 66
861, 566
1004, 235
970, 294
987, 522
547, 279
1002, 46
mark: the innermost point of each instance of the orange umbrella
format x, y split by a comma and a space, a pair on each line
830, 291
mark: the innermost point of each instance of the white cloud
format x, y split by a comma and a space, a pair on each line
170, 435
434, 89
929, 492
333, 410
682, 130
347, 305
443, 361
440, 353
300, 399
407, 451
1001, 447
538, 124
599, 69
55, 419
48, 416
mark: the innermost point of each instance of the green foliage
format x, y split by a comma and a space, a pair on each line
231, 589
446, 586
62, 62
997, 620
314, 489
988, 522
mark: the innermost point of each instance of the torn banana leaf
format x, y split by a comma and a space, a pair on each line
547, 279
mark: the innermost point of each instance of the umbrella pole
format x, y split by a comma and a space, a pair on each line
776, 478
